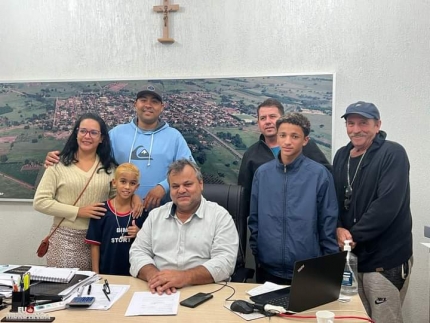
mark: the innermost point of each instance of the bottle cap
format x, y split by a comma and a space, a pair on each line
347, 246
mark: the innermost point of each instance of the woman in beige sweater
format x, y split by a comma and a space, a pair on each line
86, 151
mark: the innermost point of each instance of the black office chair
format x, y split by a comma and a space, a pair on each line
230, 197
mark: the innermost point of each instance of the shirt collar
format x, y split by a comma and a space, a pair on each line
199, 213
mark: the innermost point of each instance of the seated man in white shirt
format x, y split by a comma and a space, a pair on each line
189, 241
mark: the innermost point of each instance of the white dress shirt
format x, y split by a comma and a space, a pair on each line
208, 238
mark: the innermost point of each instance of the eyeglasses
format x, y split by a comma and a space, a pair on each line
106, 289
348, 196
93, 133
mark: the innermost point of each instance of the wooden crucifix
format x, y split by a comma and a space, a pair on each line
165, 9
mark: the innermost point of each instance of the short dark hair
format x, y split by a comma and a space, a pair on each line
271, 103
179, 165
104, 150
297, 119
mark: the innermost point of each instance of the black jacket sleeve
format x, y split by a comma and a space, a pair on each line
244, 179
312, 151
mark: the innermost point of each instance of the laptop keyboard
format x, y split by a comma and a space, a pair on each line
283, 301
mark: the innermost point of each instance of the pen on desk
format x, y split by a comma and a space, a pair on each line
107, 296
89, 290
18, 283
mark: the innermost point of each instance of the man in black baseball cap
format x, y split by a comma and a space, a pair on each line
150, 89
371, 176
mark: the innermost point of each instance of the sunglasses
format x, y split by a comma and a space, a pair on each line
348, 197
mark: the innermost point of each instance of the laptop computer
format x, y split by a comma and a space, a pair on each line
315, 282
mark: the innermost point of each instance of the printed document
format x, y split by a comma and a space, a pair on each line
146, 303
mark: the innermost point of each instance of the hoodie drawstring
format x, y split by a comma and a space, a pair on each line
150, 149
132, 145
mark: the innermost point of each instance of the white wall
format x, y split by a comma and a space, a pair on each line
379, 51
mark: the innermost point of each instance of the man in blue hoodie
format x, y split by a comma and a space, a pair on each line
149, 143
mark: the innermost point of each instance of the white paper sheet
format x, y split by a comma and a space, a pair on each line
6, 283
5, 291
265, 288
92, 277
146, 303
101, 302
6, 279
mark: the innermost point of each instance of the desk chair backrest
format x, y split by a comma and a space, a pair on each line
231, 198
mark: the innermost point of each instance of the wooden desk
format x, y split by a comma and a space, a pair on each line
211, 311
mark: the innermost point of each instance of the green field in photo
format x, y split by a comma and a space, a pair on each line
14, 190
216, 160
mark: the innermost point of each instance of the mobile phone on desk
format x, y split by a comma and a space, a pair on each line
82, 301
196, 300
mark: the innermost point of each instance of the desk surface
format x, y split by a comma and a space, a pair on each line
211, 311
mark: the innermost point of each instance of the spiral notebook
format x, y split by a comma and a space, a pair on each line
59, 291
52, 274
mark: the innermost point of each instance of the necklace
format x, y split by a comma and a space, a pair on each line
348, 190
116, 217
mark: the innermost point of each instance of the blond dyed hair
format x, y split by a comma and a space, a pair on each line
127, 168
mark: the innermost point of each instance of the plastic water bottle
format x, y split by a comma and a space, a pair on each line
349, 281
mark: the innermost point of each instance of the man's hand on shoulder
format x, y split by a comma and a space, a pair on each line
52, 158
167, 281
153, 198
137, 205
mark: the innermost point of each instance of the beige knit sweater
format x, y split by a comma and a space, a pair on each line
61, 185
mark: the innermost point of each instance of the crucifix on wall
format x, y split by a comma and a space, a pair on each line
165, 9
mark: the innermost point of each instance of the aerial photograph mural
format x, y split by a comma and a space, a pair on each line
217, 117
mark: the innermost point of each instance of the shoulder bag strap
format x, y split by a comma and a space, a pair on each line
82, 192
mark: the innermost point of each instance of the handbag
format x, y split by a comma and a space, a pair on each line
44, 245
